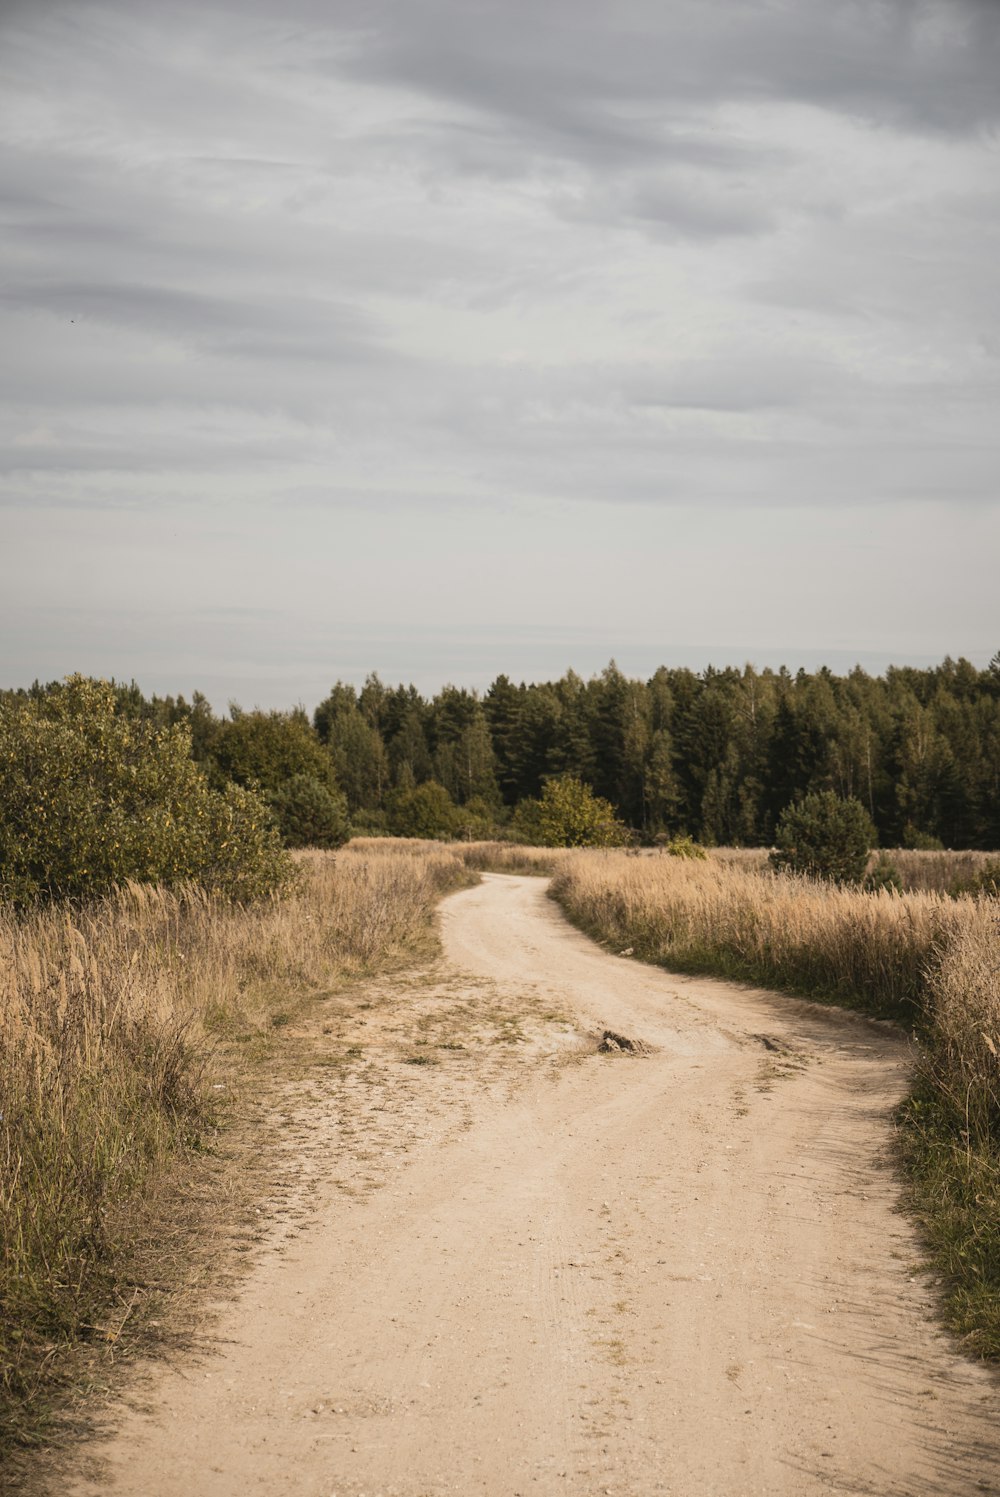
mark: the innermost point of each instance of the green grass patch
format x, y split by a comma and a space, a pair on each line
954, 1191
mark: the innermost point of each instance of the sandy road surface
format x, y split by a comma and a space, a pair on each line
673, 1274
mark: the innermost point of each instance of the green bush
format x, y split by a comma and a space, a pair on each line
920, 841
476, 820
685, 847
366, 823
824, 836
426, 810
264, 750
310, 814
568, 814
90, 798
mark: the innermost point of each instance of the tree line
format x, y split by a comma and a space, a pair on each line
716, 755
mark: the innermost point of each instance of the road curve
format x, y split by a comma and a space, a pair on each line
680, 1273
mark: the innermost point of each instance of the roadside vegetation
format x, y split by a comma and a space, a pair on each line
122, 1022
916, 870
929, 960
157, 929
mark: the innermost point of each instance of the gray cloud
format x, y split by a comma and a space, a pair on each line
278, 327
329, 297
579, 78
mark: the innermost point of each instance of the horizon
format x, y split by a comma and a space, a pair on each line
841, 664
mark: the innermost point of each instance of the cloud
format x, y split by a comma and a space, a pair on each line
595, 87
270, 326
380, 287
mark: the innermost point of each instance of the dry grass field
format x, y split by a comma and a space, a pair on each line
919, 872
126, 1025
924, 958
117, 1021
838, 943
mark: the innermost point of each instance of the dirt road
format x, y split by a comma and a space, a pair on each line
583, 1274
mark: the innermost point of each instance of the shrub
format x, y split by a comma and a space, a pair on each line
884, 875
426, 810
685, 847
986, 880
568, 814
368, 823
310, 814
824, 836
264, 750
476, 821
90, 798
919, 841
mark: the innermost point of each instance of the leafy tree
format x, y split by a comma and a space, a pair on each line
569, 814
426, 810
91, 797
372, 702
310, 814
405, 737
476, 820
342, 699
264, 750
825, 837
349, 726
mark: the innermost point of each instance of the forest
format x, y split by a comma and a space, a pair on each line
715, 755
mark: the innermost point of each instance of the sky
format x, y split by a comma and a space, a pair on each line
450, 337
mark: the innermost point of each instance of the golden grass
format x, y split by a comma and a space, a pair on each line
964, 1011
937, 872
510, 857
950, 1132
872, 950
493, 857
113, 1020
924, 957
927, 872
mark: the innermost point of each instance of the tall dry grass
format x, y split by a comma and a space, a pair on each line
482, 857
936, 872
964, 1012
510, 857
919, 872
923, 957
111, 1017
951, 1127
872, 950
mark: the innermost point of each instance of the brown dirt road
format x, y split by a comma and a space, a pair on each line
581, 1274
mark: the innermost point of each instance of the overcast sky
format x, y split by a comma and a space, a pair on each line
444, 337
